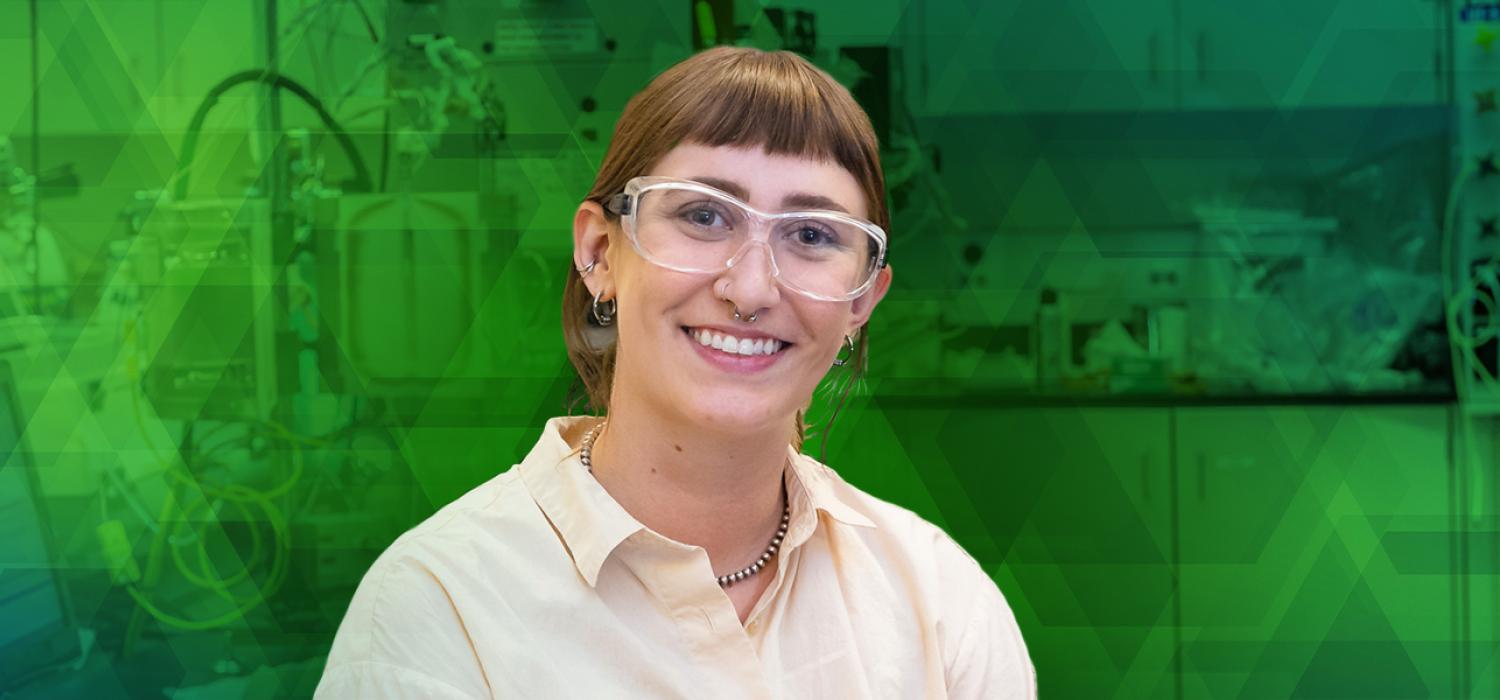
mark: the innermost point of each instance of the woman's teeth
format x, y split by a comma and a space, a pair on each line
737, 346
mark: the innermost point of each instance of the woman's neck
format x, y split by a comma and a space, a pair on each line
720, 491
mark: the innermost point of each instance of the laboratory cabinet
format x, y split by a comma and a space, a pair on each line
1308, 54
1314, 552
1216, 552
1102, 55
1076, 504
1105, 55
1482, 595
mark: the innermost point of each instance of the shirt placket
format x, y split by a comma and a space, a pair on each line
681, 577
786, 566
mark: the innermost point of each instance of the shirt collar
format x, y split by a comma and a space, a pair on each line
824, 488
592, 524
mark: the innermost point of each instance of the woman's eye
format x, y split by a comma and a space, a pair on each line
813, 237
703, 217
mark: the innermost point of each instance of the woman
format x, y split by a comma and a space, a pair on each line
730, 253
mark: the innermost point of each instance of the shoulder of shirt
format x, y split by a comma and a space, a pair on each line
889, 520
944, 577
896, 520
418, 564
933, 553
491, 515
476, 513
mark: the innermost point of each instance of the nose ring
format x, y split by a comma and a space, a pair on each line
737, 315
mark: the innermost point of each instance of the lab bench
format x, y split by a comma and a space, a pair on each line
1229, 546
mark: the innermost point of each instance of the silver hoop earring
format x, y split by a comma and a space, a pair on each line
848, 343
586, 269
605, 317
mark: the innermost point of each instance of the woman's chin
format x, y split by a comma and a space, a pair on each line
738, 413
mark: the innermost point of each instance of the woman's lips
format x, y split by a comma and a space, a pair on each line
734, 362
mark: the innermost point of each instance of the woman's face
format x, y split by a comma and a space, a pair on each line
660, 361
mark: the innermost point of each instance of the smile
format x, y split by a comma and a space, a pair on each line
732, 345
735, 354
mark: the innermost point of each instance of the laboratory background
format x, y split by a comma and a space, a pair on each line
1192, 340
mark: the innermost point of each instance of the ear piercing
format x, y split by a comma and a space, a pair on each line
849, 344
607, 316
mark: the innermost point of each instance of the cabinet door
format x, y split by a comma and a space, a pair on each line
1314, 552
1077, 501
1308, 54
1477, 470
1047, 56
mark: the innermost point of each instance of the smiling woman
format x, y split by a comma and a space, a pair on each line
730, 253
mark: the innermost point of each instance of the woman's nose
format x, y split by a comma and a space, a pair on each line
751, 278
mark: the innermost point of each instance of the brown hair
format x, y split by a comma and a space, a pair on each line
736, 97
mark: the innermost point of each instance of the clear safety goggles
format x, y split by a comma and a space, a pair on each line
688, 226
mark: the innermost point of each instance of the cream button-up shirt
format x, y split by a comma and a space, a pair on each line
538, 584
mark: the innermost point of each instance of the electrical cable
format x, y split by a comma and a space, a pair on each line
1466, 342
301, 21
36, 166
240, 497
385, 151
362, 181
273, 579
369, 24
1455, 301
209, 580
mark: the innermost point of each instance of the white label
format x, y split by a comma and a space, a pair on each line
523, 37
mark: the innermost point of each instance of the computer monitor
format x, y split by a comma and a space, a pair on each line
37, 631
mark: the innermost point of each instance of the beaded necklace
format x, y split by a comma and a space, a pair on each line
585, 456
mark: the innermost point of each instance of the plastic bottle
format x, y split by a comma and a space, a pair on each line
1050, 341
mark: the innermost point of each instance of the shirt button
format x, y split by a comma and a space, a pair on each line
753, 626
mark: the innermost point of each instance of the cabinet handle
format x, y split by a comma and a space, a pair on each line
1202, 477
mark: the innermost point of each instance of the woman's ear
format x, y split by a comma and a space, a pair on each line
864, 305
591, 247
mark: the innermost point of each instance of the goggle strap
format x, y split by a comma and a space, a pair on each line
619, 204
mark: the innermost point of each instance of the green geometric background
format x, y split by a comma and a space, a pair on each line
248, 350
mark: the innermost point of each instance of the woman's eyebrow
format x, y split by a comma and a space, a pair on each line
794, 200
803, 200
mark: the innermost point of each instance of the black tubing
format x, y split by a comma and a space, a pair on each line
362, 182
